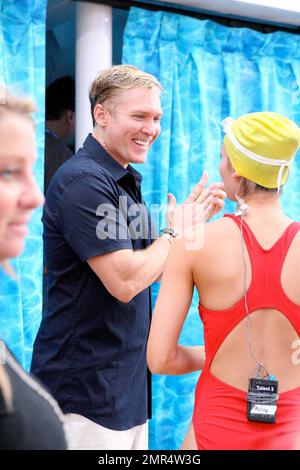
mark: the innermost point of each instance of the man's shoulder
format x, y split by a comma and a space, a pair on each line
77, 180
83, 169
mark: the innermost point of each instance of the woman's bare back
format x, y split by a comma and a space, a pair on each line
218, 271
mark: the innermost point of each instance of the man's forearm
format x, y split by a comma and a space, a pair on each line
148, 265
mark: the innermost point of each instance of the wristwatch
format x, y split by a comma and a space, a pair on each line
169, 233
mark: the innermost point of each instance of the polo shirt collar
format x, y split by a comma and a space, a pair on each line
100, 155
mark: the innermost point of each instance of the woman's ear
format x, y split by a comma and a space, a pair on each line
237, 178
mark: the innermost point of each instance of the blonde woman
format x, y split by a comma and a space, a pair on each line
247, 276
29, 417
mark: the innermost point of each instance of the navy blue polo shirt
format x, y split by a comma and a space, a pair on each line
90, 350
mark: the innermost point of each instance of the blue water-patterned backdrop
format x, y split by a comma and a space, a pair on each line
208, 71
22, 68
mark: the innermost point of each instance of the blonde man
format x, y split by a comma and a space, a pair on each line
91, 346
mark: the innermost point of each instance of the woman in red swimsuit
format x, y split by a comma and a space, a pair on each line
247, 274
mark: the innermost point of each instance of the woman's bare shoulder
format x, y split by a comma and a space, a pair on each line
219, 227
218, 236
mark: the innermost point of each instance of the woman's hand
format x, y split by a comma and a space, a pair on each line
201, 205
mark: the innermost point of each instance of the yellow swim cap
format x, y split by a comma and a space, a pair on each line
261, 146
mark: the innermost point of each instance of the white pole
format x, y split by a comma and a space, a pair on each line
93, 54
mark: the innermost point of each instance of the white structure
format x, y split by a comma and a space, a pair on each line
93, 54
274, 11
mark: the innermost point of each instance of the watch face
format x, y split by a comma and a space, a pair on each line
170, 231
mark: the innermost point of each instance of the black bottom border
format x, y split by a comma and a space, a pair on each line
134, 459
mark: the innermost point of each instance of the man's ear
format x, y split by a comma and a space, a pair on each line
100, 115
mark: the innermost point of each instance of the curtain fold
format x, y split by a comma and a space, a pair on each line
22, 69
208, 71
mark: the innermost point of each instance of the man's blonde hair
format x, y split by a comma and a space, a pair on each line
119, 77
13, 104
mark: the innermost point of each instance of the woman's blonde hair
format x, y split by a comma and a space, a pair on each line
10, 103
249, 187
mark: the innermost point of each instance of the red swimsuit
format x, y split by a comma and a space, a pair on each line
220, 413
